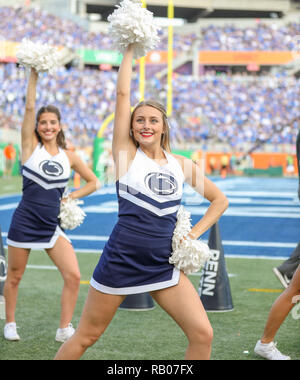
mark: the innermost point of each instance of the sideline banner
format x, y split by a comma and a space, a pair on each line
97, 57
242, 58
206, 57
8, 51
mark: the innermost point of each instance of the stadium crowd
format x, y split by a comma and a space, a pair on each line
236, 109
230, 109
261, 37
85, 98
37, 24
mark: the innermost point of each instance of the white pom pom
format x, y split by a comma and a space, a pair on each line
129, 24
188, 255
42, 57
71, 215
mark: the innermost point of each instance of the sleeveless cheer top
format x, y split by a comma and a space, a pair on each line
35, 222
136, 257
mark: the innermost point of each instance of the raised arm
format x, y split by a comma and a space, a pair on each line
121, 134
28, 127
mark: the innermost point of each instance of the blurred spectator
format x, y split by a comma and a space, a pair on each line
290, 169
37, 24
260, 37
212, 165
233, 163
227, 109
223, 109
10, 157
224, 160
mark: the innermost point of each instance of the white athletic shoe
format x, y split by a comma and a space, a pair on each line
269, 351
10, 332
62, 335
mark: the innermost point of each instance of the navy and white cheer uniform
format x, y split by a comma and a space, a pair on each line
136, 257
35, 223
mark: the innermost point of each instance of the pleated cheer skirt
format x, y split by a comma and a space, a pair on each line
34, 226
134, 262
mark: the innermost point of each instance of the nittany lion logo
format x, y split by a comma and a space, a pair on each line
161, 183
51, 168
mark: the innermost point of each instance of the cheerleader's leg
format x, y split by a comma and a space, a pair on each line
183, 304
17, 261
64, 257
97, 314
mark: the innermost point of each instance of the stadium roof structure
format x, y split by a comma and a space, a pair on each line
192, 10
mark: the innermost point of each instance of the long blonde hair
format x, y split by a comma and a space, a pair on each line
165, 138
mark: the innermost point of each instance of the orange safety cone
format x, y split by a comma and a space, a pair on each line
76, 181
136, 302
214, 287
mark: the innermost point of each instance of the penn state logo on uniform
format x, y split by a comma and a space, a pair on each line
161, 183
51, 168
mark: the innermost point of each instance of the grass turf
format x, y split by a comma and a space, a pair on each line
10, 185
152, 334
145, 335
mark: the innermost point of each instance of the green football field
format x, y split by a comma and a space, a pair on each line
151, 334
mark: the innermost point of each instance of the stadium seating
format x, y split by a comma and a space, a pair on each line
227, 109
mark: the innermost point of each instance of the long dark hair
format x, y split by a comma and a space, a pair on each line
60, 139
165, 138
